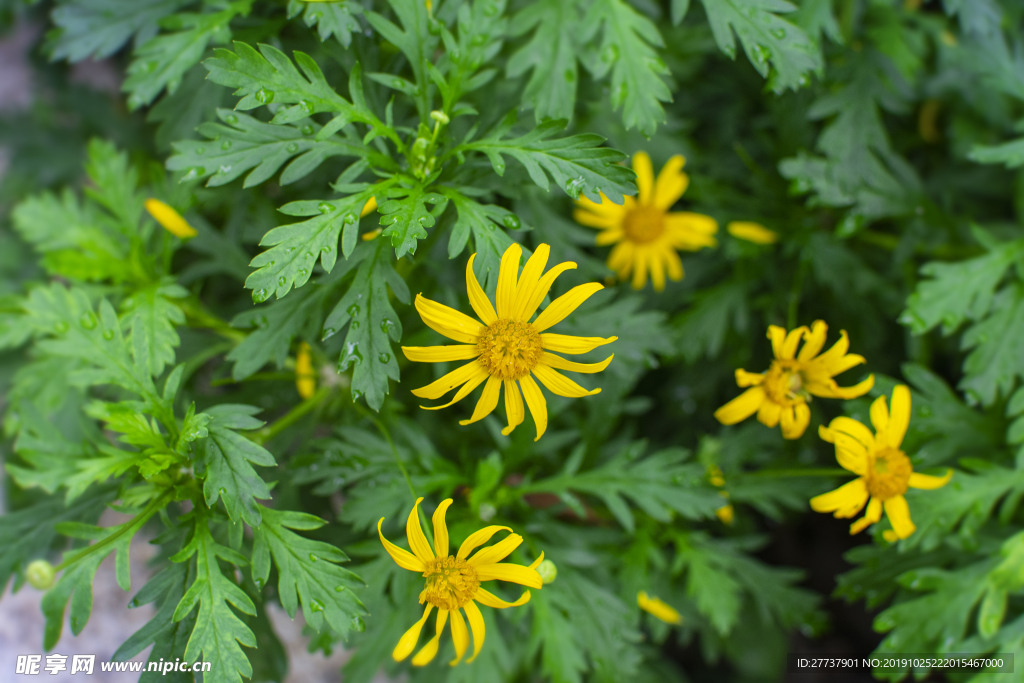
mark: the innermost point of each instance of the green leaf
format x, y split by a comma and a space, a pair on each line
219, 633
247, 143
561, 657
817, 19
679, 10
576, 163
114, 183
178, 114
659, 484
768, 40
297, 247
162, 61
626, 50
151, 315
980, 17
960, 291
373, 324
994, 364
700, 331
485, 223
405, 214
99, 28
330, 18
718, 595
413, 39
225, 457
308, 571
550, 54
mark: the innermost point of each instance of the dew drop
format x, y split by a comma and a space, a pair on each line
193, 173
231, 119
384, 358
512, 221
292, 148
305, 106
386, 325
264, 96
326, 250
619, 94
574, 187
499, 167
88, 320
224, 170
610, 54
259, 583
338, 589
779, 33
349, 219
282, 281
327, 333
302, 273
307, 129
570, 76
316, 606
60, 327
326, 207
260, 295
313, 558
108, 334
350, 356
353, 310
226, 145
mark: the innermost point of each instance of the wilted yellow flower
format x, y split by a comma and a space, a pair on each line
659, 609
305, 378
885, 471
453, 583
752, 232
506, 347
782, 393
170, 219
645, 233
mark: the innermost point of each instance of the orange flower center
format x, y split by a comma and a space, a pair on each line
644, 224
784, 383
451, 583
510, 349
889, 474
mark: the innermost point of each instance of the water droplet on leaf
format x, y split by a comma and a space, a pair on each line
512, 221
264, 96
108, 334
88, 321
384, 358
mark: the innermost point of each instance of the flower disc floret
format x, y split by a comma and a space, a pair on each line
510, 349
451, 583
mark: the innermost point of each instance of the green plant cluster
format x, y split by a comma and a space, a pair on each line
156, 376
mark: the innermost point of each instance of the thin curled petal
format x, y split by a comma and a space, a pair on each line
441, 529
778, 336
514, 410
671, 183
497, 552
795, 420
477, 298
644, 177
879, 415
508, 275
457, 377
564, 343
899, 416
417, 541
559, 384
477, 539
769, 414
872, 515
460, 636
476, 625
465, 390
429, 651
537, 404
407, 643
447, 321
487, 598
854, 429
513, 573
565, 304
440, 354
927, 481
530, 280
741, 407
815, 340
487, 403
543, 287
898, 512
403, 558
792, 341
559, 363
536, 563
748, 379
845, 501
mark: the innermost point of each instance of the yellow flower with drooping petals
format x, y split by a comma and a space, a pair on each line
659, 609
782, 393
885, 470
506, 348
169, 219
645, 233
453, 583
305, 377
752, 232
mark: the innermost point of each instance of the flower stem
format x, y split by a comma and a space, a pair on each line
133, 526
291, 417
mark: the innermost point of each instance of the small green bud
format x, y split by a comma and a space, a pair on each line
548, 571
40, 574
440, 117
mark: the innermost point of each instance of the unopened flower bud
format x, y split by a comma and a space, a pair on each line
40, 574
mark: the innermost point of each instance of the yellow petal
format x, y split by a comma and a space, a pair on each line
476, 625
477, 539
536, 563
565, 304
497, 552
671, 183
305, 377
530, 280
513, 573
748, 379
674, 266
559, 363
855, 430
620, 259
741, 407
845, 501
564, 343
926, 481
778, 336
417, 541
559, 384
403, 558
536, 402
601, 221
644, 177
606, 208
639, 268
795, 420
487, 403
609, 236
792, 340
441, 529
898, 512
872, 515
508, 276
690, 231
658, 608
440, 354
485, 597
752, 232
837, 351
879, 415
856, 391
169, 219
899, 418
540, 291
769, 413
465, 390
407, 643
815, 340
851, 454
460, 635
477, 298
457, 377
429, 651
658, 271
447, 321
369, 207
513, 407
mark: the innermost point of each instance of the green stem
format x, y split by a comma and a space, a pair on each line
197, 316
137, 521
291, 417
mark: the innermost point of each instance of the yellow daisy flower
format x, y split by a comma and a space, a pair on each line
169, 219
659, 608
305, 377
645, 233
782, 393
506, 347
885, 471
453, 583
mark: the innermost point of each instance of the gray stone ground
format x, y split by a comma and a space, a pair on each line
111, 623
